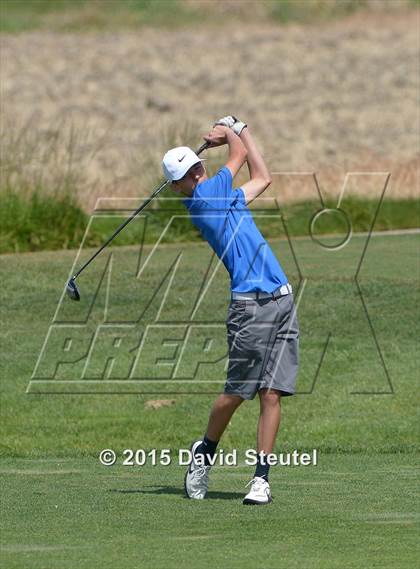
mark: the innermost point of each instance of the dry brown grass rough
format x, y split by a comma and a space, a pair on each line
332, 97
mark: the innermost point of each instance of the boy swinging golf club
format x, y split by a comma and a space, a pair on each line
262, 327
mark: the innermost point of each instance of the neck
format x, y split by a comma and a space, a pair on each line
190, 191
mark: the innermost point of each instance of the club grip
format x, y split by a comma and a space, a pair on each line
202, 147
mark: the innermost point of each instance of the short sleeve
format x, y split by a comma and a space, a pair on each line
241, 196
218, 192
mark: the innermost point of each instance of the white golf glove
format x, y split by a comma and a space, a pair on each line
232, 122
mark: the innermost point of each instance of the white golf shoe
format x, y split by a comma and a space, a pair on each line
260, 492
196, 480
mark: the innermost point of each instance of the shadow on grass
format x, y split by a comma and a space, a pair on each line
178, 491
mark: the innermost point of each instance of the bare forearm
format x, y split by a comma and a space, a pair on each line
237, 152
220, 135
256, 165
259, 175
237, 147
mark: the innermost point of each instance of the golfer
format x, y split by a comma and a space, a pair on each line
262, 327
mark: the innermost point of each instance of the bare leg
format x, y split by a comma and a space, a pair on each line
221, 413
269, 421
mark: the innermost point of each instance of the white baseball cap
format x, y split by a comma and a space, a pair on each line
178, 161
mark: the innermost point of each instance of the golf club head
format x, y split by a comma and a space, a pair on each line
72, 290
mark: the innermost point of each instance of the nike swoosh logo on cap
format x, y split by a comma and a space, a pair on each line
181, 159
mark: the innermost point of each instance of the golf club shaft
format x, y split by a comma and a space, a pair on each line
132, 216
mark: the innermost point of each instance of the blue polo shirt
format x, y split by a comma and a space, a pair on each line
221, 215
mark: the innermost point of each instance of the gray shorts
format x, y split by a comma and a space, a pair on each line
263, 340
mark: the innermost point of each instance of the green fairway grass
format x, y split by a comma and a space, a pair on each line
350, 511
349, 403
356, 405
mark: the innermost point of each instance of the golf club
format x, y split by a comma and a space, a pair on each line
72, 289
